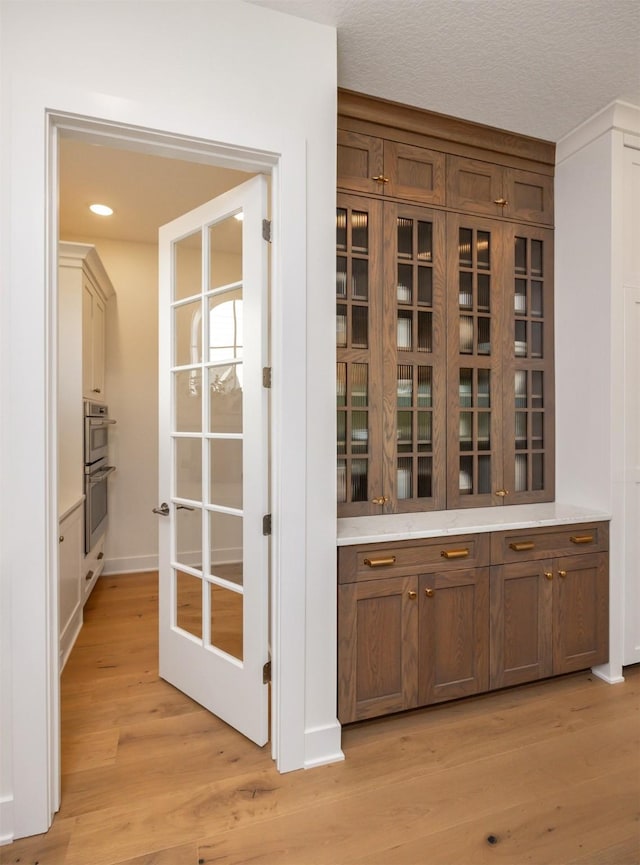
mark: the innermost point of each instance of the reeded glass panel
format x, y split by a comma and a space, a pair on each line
536, 258
405, 237
521, 473
225, 398
341, 384
360, 279
425, 374
466, 431
521, 430
188, 266
484, 474
465, 238
225, 252
520, 338
359, 231
537, 429
484, 335
360, 327
359, 385
483, 250
405, 432
188, 595
425, 331
521, 388
536, 299
484, 431
405, 477
484, 292
188, 473
466, 388
342, 481
341, 325
484, 388
537, 389
225, 467
226, 620
188, 540
404, 385
465, 297
341, 228
466, 334
359, 432
359, 480
405, 283
342, 432
341, 276
405, 336
425, 477
465, 481
425, 439
521, 255
536, 339
425, 241
520, 297
225, 544
188, 333
187, 399
537, 471
425, 286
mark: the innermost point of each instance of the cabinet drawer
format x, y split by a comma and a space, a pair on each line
540, 543
378, 561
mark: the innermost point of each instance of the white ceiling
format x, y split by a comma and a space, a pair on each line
537, 67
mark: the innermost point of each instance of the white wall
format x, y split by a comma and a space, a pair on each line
596, 378
151, 65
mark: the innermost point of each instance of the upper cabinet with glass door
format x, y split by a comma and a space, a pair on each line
444, 313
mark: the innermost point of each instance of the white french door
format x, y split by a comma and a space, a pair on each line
213, 455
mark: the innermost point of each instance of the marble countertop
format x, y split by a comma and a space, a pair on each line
400, 527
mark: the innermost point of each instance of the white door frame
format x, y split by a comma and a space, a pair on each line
283, 701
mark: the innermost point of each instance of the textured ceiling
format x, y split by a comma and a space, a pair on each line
538, 67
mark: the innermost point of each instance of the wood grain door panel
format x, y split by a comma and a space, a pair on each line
580, 612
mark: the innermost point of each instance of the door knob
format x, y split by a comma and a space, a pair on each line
163, 510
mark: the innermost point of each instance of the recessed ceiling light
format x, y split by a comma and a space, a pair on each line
101, 209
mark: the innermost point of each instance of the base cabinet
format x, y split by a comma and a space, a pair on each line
70, 600
421, 622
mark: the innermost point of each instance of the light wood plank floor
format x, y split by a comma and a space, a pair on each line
547, 773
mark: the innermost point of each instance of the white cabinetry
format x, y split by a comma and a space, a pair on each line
93, 339
70, 597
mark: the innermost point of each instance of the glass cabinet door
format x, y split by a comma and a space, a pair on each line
528, 369
474, 464
358, 372
413, 345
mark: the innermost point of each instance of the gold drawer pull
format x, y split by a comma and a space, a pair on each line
581, 539
380, 563
455, 554
501, 201
381, 178
380, 500
521, 546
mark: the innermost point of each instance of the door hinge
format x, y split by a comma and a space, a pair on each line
266, 376
266, 524
266, 230
266, 673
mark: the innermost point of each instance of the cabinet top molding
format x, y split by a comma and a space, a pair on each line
393, 118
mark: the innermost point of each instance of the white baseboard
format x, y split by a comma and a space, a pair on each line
322, 746
130, 565
6, 820
604, 673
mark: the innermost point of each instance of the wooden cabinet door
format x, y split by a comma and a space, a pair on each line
359, 162
529, 196
377, 647
521, 617
454, 635
580, 612
414, 173
474, 186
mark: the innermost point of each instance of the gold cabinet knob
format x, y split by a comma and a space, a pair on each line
380, 178
380, 500
429, 593
562, 574
61, 539
502, 202
502, 493
413, 596
548, 575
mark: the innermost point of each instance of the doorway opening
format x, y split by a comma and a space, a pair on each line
151, 179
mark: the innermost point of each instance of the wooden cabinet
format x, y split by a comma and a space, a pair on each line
70, 598
444, 314
423, 621
413, 624
549, 602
